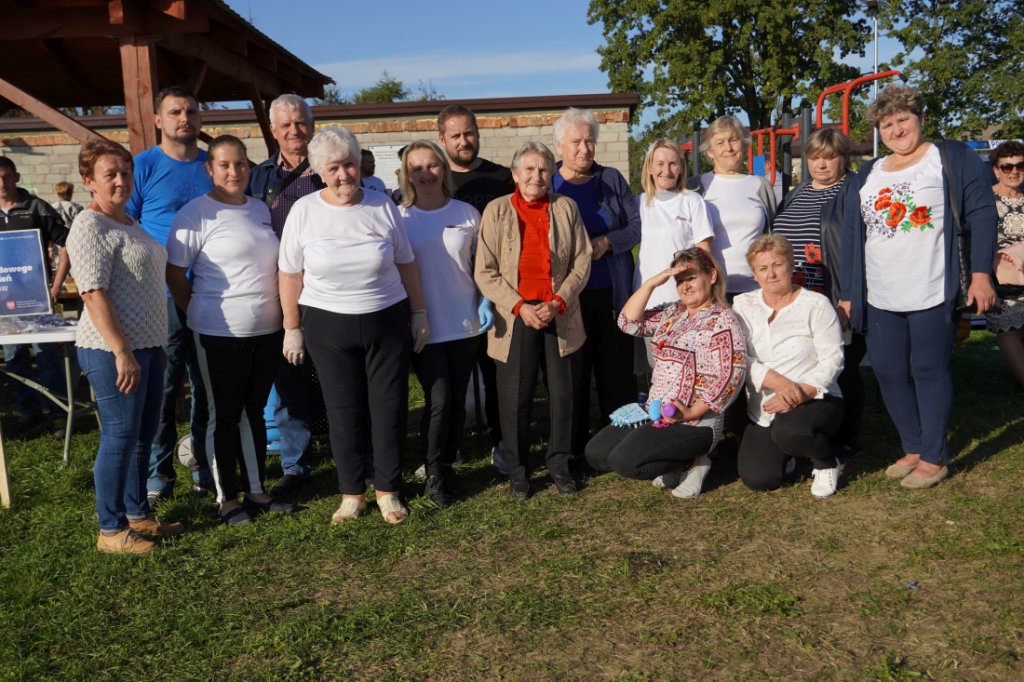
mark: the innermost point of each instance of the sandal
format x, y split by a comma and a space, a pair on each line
390, 504
272, 506
351, 508
235, 516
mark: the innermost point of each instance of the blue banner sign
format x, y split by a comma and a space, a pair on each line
23, 286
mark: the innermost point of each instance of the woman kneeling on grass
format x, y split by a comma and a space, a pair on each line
700, 361
233, 309
119, 270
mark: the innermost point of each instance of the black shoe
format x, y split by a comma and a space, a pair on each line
520, 488
566, 486
452, 485
434, 489
273, 506
288, 484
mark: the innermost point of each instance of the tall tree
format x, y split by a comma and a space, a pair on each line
965, 58
386, 89
694, 60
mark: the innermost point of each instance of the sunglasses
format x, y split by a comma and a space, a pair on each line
1007, 167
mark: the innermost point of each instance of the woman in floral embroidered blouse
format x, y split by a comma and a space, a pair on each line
700, 362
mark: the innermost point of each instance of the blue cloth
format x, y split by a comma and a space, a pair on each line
616, 199
162, 186
916, 383
595, 219
129, 422
181, 356
971, 185
289, 402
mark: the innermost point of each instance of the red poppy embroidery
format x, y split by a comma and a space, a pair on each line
920, 216
885, 190
897, 211
812, 254
882, 203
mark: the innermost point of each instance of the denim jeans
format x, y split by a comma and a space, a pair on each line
51, 375
181, 356
288, 406
129, 422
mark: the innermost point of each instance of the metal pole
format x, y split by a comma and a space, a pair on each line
787, 155
696, 151
805, 132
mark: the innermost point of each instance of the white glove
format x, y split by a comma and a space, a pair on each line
420, 330
293, 349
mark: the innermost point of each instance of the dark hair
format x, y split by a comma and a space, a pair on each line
8, 163
94, 149
453, 111
893, 100
364, 153
172, 91
1005, 150
707, 264
220, 141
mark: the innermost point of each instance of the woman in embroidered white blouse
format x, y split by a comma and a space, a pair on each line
795, 355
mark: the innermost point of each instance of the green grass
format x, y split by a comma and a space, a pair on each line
621, 582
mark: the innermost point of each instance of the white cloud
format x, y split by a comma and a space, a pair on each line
458, 68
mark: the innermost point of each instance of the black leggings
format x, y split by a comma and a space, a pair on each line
363, 365
443, 370
237, 373
801, 432
647, 452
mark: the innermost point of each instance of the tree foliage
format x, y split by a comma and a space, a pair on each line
965, 57
386, 89
695, 60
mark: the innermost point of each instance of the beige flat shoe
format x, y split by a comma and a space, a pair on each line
351, 508
898, 471
390, 504
921, 482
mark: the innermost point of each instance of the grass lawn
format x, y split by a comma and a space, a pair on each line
621, 582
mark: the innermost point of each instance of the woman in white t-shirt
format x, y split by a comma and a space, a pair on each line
351, 289
672, 219
742, 206
231, 303
443, 233
900, 272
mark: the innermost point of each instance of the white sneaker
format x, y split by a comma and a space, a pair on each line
826, 481
421, 472
498, 460
694, 479
669, 480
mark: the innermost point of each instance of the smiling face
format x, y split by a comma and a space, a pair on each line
694, 287
1013, 176
726, 152
577, 147
291, 130
826, 170
229, 170
901, 132
425, 172
533, 176
110, 183
342, 179
773, 272
666, 169
178, 119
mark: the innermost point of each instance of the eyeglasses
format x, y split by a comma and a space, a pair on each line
1007, 167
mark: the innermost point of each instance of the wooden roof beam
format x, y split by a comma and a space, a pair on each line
44, 111
223, 61
89, 22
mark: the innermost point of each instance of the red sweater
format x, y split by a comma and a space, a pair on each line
535, 253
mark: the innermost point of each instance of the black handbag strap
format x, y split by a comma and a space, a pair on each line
274, 190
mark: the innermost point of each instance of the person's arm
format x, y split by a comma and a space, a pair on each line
578, 275
410, 275
766, 193
63, 268
981, 221
719, 385
103, 317
179, 286
487, 269
289, 286
626, 234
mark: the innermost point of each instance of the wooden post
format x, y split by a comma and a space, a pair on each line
57, 119
138, 67
5, 491
262, 116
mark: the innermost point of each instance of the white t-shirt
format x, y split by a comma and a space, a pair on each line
347, 254
232, 251
444, 241
674, 221
904, 255
374, 183
739, 218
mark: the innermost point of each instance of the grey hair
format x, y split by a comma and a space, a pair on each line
333, 143
725, 124
290, 102
531, 147
571, 116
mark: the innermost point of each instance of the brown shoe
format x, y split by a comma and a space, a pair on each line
919, 482
151, 525
125, 542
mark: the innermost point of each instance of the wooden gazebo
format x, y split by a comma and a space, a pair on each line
97, 53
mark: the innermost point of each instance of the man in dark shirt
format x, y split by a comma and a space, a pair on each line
20, 210
476, 181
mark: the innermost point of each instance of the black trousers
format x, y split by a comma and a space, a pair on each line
443, 370
363, 365
646, 452
851, 383
237, 373
517, 381
608, 355
801, 432
489, 377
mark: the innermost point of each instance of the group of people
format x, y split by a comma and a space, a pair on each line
520, 271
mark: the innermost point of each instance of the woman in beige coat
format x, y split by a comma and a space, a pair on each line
533, 259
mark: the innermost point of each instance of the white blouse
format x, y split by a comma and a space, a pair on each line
803, 343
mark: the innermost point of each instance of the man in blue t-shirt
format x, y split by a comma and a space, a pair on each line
167, 177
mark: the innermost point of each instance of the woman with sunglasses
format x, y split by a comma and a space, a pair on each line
700, 362
1007, 319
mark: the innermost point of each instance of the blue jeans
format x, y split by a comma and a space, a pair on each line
289, 405
129, 422
181, 356
51, 375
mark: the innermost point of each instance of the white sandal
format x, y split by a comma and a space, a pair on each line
351, 508
390, 504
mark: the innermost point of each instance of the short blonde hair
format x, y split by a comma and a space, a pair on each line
892, 100
774, 243
647, 177
408, 189
64, 190
724, 124
829, 143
